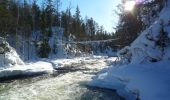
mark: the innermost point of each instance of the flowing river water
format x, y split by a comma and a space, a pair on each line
68, 83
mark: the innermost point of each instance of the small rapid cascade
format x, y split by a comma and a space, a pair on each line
70, 83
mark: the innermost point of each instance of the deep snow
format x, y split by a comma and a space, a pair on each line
144, 71
146, 81
11, 64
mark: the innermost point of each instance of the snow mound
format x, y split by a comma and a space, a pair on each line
8, 56
40, 67
147, 81
144, 71
11, 65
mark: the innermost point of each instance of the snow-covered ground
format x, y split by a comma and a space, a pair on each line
145, 69
146, 81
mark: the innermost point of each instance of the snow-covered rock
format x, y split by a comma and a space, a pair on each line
8, 56
11, 65
149, 46
146, 76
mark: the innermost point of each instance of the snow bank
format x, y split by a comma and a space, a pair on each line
40, 67
145, 73
11, 64
147, 81
47, 66
8, 56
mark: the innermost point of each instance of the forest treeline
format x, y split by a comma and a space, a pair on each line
22, 18
26, 17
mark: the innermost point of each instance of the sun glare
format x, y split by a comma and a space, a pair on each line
129, 5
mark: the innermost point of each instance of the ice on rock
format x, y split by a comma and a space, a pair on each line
8, 56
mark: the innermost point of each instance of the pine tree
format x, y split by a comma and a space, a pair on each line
44, 48
66, 21
77, 14
5, 23
90, 24
35, 16
43, 23
49, 10
5, 16
57, 21
77, 23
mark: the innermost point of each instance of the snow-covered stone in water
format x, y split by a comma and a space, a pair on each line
8, 56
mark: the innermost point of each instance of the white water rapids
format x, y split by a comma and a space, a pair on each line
69, 84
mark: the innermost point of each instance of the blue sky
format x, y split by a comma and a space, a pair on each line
102, 11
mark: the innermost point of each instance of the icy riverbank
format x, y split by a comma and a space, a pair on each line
46, 66
144, 70
27, 69
147, 81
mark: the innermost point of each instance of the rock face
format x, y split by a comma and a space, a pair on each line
8, 56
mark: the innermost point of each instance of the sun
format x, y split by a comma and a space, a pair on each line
129, 5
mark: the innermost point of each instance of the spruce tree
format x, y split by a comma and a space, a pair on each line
49, 10
35, 16
44, 48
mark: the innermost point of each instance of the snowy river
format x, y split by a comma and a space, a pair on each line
68, 83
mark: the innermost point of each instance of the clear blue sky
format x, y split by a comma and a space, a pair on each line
102, 11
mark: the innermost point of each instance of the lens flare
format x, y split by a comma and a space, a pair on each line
129, 5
